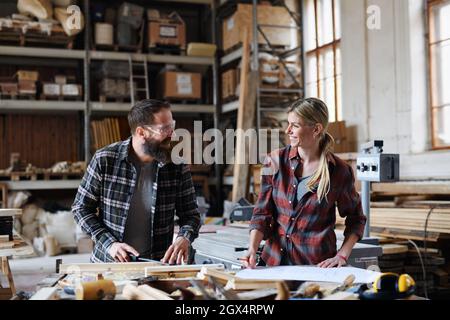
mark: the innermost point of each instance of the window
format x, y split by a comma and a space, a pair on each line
323, 55
439, 55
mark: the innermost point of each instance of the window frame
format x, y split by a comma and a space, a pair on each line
431, 85
334, 44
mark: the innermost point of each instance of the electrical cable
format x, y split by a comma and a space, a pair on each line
423, 267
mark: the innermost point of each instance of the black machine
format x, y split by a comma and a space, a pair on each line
243, 211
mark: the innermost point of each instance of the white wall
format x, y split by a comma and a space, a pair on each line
385, 83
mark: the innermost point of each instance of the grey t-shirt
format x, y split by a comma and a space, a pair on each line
301, 188
139, 221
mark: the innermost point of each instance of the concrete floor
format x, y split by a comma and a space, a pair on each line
28, 272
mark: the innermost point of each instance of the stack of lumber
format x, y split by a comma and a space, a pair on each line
104, 132
409, 223
393, 258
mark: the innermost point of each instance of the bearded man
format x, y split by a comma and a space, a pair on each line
132, 190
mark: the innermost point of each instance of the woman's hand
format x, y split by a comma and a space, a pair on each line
336, 261
249, 260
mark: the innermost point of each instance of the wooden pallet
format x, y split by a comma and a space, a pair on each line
34, 35
17, 96
169, 50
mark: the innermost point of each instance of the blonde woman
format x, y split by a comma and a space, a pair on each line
301, 186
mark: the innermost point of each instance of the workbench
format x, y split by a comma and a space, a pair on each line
20, 248
228, 244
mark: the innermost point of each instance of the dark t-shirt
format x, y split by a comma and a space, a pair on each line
139, 221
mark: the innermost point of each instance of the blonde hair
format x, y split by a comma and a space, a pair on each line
313, 111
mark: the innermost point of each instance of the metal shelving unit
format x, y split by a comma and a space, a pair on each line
43, 185
89, 107
176, 108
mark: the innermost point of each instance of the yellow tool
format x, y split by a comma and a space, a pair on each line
390, 286
95, 290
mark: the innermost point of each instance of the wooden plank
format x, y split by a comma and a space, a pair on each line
21, 248
245, 120
6, 245
181, 268
10, 212
412, 187
221, 276
4, 238
104, 267
394, 248
241, 284
49, 293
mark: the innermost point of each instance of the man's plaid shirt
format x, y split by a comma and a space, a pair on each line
303, 229
104, 196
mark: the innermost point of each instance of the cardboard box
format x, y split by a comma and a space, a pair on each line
170, 31
131, 14
73, 90
26, 75
201, 49
230, 79
233, 27
9, 88
85, 245
51, 89
27, 87
339, 132
60, 79
183, 85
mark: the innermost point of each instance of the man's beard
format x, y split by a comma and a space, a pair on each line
160, 150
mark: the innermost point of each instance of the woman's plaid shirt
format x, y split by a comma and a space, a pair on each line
104, 196
304, 229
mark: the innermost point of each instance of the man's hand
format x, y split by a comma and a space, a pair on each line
336, 261
119, 251
177, 252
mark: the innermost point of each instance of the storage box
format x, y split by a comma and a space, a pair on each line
131, 14
51, 89
72, 90
233, 27
339, 132
27, 87
183, 85
170, 31
26, 75
229, 83
60, 79
201, 49
9, 88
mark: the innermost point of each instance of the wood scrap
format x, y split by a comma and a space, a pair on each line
244, 284
283, 292
105, 267
221, 276
144, 292
49, 293
195, 268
